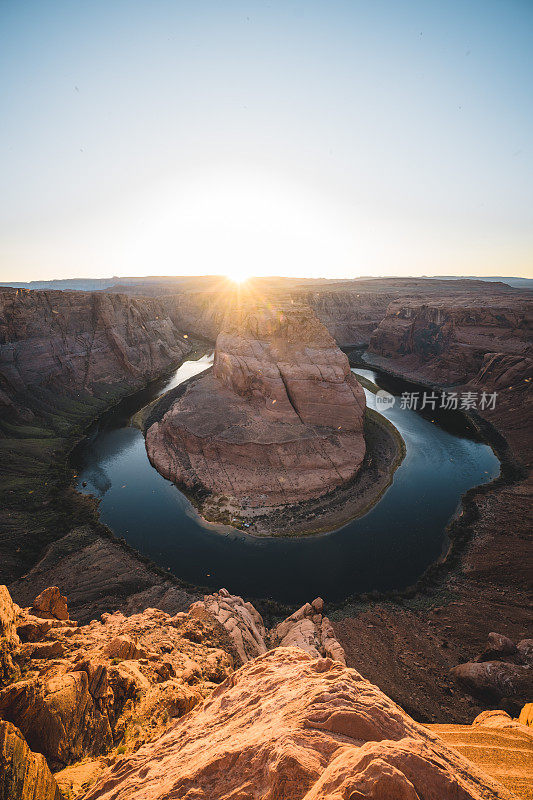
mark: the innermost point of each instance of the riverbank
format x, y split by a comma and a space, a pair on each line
47, 528
408, 641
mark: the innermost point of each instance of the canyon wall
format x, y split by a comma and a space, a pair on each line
279, 420
64, 358
477, 345
350, 316
446, 340
349, 309
71, 342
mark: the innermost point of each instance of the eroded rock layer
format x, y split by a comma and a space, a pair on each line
73, 342
278, 421
450, 340
288, 725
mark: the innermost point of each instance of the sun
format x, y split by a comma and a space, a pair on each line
239, 275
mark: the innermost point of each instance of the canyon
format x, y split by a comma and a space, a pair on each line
73, 342
66, 356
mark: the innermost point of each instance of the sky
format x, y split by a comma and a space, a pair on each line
316, 139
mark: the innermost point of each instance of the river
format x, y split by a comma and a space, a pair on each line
388, 548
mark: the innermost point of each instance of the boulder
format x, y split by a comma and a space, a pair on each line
498, 646
124, 647
310, 631
503, 670
242, 622
496, 679
525, 650
501, 721
50, 604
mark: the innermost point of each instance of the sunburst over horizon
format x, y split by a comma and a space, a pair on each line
239, 275
320, 144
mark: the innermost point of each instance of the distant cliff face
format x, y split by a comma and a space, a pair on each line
446, 340
76, 341
350, 316
280, 419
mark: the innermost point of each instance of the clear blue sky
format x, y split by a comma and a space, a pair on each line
310, 138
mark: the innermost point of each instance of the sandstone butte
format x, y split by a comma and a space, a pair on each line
279, 420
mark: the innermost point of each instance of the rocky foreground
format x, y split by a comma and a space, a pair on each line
279, 420
206, 704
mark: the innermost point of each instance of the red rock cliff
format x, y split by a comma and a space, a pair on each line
73, 341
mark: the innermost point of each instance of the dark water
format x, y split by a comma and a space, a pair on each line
387, 548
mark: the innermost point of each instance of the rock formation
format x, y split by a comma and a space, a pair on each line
243, 623
83, 685
23, 775
310, 631
197, 704
474, 344
292, 726
88, 688
500, 720
503, 671
78, 341
279, 420
446, 340
307, 628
